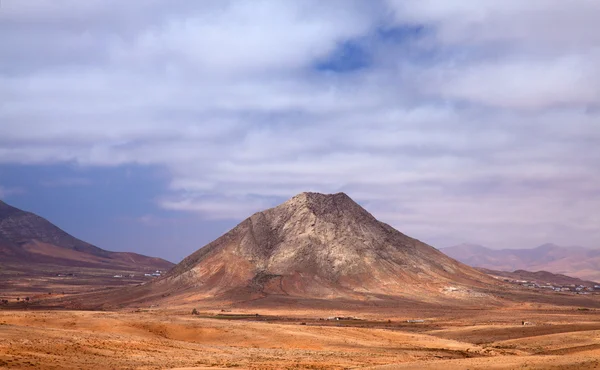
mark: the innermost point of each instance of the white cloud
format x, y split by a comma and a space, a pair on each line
483, 122
241, 37
524, 55
216, 207
535, 25
523, 84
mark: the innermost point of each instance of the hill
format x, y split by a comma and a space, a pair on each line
540, 277
314, 246
30, 240
572, 261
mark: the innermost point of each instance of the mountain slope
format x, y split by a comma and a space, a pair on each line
320, 247
29, 238
572, 261
19, 226
9, 250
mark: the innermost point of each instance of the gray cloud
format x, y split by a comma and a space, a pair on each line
483, 127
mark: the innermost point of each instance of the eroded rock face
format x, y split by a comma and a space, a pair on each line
319, 245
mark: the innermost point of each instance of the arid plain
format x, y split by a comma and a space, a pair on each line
562, 331
298, 339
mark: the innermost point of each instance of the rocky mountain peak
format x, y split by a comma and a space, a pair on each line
308, 199
309, 207
317, 245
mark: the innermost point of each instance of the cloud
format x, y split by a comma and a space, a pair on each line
534, 26
522, 84
6, 192
470, 119
67, 182
216, 207
532, 55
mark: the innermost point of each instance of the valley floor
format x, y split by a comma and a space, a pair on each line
476, 339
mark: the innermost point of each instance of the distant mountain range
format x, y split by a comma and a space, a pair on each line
573, 261
540, 277
29, 239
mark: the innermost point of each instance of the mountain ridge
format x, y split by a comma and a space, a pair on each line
573, 261
28, 238
540, 277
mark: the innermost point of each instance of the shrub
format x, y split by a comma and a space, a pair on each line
195, 312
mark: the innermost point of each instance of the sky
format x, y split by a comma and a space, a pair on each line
155, 126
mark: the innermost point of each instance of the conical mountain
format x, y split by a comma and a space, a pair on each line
317, 246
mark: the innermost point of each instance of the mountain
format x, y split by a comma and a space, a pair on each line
30, 239
8, 249
573, 261
316, 246
540, 277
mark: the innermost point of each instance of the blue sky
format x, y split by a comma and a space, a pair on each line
156, 126
113, 207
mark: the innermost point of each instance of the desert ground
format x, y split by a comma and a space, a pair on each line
47, 332
555, 337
